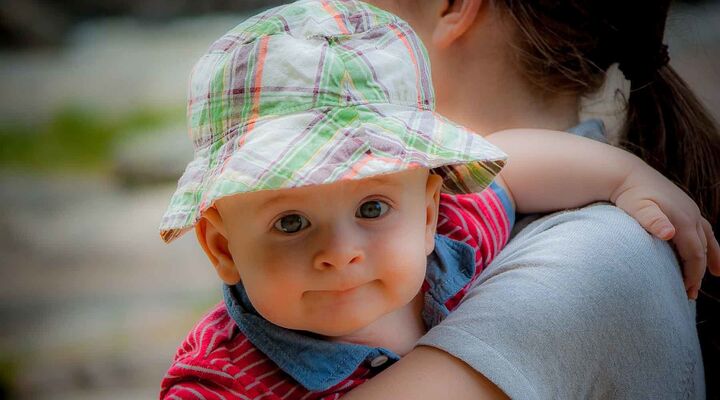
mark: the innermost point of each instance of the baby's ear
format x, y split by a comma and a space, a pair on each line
212, 236
432, 206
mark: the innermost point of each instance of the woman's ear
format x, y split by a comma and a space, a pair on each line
432, 207
455, 20
212, 236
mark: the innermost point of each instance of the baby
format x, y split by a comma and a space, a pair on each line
344, 216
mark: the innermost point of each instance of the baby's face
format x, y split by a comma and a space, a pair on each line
332, 259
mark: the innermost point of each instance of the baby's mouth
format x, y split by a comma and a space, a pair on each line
341, 290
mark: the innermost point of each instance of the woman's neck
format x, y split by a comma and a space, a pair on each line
495, 97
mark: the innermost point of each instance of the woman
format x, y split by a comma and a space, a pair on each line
580, 304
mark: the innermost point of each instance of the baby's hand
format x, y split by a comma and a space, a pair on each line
668, 213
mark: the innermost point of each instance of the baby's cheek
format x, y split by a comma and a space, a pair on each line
270, 294
404, 268
274, 305
276, 284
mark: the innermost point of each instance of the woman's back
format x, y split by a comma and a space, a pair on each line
518, 64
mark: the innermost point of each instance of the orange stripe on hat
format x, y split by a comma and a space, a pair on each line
256, 89
402, 37
257, 85
356, 168
337, 16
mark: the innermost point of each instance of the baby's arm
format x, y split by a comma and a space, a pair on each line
550, 170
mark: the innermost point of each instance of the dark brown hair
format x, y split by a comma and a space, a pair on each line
567, 46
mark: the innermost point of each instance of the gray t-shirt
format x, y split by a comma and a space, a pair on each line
580, 304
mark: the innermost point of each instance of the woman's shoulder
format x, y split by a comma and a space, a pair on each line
598, 248
577, 297
598, 229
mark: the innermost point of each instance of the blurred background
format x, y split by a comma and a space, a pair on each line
92, 141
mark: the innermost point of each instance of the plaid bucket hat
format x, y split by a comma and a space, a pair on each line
312, 93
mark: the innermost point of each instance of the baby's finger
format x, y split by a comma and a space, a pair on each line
655, 221
701, 234
692, 254
713, 248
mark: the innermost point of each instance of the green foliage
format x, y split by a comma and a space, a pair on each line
74, 139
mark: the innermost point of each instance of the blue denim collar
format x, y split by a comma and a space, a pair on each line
319, 364
592, 129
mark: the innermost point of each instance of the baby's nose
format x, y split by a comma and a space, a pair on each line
337, 258
338, 244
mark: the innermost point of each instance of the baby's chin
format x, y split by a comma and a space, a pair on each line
350, 327
343, 332
345, 327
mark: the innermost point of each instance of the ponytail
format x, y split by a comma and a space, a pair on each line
671, 130
568, 46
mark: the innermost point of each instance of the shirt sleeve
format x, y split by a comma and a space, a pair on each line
193, 378
482, 220
197, 390
203, 366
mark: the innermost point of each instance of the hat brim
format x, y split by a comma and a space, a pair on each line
328, 145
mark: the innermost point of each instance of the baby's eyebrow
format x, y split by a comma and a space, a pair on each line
277, 198
281, 196
380, 180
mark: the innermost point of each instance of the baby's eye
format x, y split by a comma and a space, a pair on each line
291, 223
372, 209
